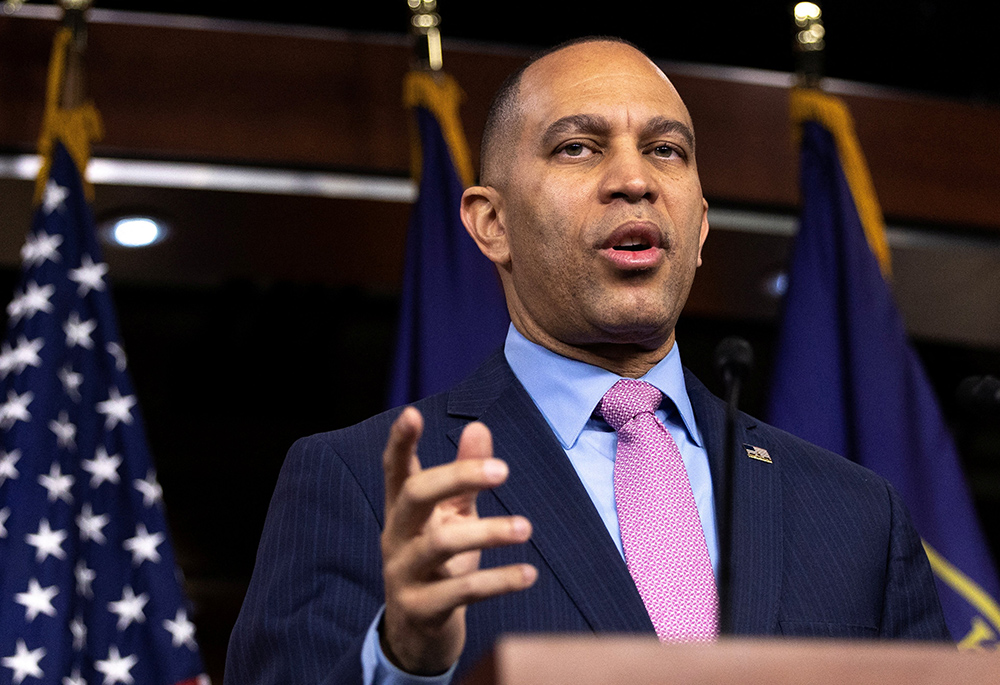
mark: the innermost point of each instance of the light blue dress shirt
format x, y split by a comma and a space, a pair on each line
566, 392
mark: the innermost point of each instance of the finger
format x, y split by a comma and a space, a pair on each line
431, 487
399, 459
425, 555
476, 442
432, 601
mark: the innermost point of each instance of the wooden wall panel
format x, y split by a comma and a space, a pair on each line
331, 99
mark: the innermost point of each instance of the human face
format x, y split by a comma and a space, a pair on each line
603, 213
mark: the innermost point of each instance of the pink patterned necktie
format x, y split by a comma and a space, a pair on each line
664, 542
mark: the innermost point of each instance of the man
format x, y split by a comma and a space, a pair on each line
511, 519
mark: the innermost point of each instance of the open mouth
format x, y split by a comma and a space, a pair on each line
633, 244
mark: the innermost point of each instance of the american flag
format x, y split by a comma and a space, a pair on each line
89, 591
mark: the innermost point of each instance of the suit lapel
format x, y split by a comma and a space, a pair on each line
543, 486
755, 574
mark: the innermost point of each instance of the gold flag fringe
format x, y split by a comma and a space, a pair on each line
813, 105
75, 127
441, 94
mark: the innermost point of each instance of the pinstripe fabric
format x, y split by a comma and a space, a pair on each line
822, 546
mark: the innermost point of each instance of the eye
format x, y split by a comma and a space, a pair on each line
575, 150
665, 151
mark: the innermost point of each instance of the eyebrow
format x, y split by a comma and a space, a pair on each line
577, 123
595, 124
661, 126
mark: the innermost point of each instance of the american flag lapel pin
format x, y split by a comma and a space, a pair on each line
758, 453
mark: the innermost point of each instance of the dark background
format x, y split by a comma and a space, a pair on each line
936, 46
229, 375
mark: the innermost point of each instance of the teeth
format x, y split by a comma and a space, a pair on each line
632, 243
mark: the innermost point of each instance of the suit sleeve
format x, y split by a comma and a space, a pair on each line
912, 610
319, 555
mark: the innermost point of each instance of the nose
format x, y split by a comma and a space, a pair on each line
628, 176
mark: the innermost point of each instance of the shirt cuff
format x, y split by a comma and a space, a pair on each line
378, 670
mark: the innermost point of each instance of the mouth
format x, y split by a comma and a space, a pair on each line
634, 246
633, 237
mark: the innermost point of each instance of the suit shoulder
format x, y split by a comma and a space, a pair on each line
798, 459
801, 460
368, 437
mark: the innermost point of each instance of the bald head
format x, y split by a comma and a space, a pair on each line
503, 120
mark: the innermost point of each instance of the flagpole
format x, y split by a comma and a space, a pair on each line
809, 43
424, 26
73, 87
68, 117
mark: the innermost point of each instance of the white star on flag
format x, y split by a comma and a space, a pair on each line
64, 430
89, 276
150, 489
7, 462
21, 357
57, 484
143, 545
74, 678
78, 332
129, 608
47, 542
4, 514
116, 408
116, 351
116, 668
54, 197
91, 525
71, 382
102, 468
37, 600
181, 630
34, 299
84, 578
15, 409
38, 248
24, 663
79, 630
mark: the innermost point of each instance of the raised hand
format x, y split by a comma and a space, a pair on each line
432, 543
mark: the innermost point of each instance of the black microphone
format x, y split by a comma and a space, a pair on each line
733, 359
979, 394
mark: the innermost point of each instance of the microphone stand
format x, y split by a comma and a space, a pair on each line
733, 358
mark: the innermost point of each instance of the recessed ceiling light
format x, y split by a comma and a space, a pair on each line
135, 231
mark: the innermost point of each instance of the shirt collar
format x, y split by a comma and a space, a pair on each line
567, 391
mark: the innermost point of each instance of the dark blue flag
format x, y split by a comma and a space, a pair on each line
452, 313
847, 378
89, 590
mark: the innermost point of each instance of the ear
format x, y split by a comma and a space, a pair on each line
704, 227
481, 214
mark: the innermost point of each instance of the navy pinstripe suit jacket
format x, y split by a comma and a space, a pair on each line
822, 546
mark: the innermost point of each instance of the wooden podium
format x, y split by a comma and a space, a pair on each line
557, 660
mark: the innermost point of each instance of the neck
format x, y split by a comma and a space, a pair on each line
629, 360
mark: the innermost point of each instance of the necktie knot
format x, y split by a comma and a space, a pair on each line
627, 399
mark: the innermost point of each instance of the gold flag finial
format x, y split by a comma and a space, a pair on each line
809, 43
424, 25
